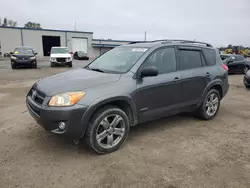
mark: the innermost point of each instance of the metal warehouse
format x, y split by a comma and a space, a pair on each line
43, 39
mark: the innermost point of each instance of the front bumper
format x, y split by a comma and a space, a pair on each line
23, 62
49, 117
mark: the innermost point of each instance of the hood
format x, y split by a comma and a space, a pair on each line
23, 55
60, 55
74, 80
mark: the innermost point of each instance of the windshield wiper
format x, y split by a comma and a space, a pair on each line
98, 70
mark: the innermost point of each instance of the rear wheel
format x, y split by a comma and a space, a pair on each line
107, 130
210, 105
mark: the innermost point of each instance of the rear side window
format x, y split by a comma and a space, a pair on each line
190, 59
210, 56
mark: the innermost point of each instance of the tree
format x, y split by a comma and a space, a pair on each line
32, 25
5, 22
12, 23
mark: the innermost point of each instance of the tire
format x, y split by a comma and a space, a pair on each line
246, 68
107, 114
52, 64
13, 66
203, 111
70, 64
35, 66
246, 84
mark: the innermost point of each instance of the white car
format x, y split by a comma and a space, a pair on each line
60, 55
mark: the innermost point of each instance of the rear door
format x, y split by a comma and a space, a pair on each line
194, 75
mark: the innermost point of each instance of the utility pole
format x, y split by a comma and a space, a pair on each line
75, 26
145, 36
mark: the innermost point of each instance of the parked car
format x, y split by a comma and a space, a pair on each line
80, 55
246, 79
23, 56
130, 84
60, 56
236, 63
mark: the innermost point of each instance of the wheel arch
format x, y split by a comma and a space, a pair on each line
123, 102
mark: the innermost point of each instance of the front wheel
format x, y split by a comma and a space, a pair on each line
13, 66
70, 64
210, 105
35, 65
246, 69
52, 64
247, 85
107, 130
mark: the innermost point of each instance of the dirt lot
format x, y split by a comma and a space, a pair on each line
175, 152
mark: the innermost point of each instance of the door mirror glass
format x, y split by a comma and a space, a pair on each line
35, 53
149, 71
11, 53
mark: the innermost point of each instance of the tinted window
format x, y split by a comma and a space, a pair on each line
163, 59
189, 59
239, 58
23, 50
210, 56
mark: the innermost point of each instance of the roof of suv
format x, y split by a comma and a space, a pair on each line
149, 44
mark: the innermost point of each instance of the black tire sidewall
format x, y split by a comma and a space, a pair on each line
91, 137
203, 112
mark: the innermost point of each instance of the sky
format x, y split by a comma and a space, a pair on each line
219, 22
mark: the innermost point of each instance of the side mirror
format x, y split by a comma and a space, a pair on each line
11, 53
149, 71
35, 53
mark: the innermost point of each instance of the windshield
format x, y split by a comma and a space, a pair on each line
118, 60
27, 51
81, 53
59, 51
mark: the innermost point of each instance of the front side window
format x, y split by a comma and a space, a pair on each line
164, 59
190, 59
59, 51
118, 60
239, 58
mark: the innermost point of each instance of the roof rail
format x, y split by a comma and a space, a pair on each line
188, 41
171, 41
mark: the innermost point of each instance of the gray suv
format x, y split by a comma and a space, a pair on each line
128, 85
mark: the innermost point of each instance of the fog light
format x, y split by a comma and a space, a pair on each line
62, 126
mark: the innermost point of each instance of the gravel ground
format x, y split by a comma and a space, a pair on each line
175, 152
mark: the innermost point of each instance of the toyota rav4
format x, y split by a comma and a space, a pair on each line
128, 85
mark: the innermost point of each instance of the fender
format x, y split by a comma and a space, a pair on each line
105, 100
208, 87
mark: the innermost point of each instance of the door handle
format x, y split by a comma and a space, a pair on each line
176, 79
208, 74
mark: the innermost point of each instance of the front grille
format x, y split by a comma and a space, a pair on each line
37, 96
61, 59
22, 58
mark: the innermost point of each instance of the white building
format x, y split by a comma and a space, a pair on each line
43, 39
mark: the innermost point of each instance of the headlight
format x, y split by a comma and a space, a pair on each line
13, 57
32, 58
69, 58
66, 99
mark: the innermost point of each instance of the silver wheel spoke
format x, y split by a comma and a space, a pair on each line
118, 131
207, 103
116, 121
208, 110
211, 97
105, 123
215, 101
110, 139
101, 136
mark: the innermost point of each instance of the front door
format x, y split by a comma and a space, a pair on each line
156, 96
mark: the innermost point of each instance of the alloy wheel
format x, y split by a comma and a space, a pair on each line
212, 104
110, 131
246, 69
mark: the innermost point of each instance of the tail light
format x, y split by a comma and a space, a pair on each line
224, 66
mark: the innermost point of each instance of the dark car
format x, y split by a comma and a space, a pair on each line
235, 63
128, 85
80, 55
23, 56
